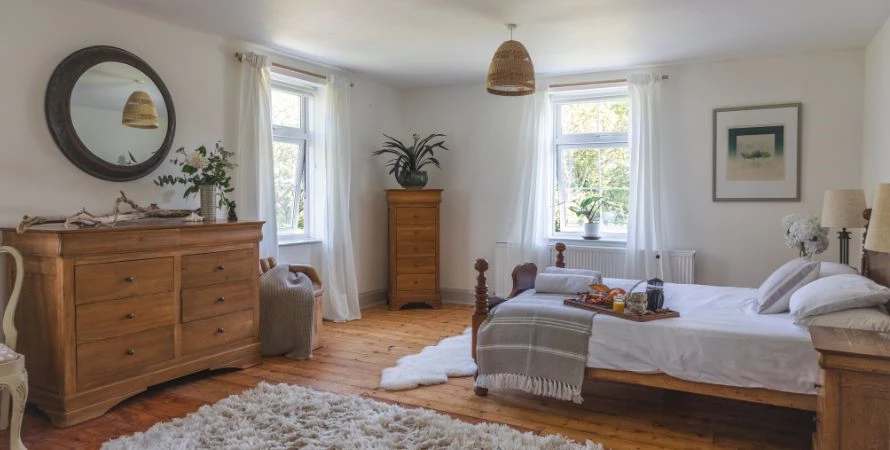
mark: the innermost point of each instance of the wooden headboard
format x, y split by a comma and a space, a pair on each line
875, 265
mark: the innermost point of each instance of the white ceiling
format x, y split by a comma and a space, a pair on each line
414, 43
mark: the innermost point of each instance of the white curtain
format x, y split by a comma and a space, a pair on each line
646, 237
533, 209
254, 176
341, 288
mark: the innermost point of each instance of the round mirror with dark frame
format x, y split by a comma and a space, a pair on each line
110, 113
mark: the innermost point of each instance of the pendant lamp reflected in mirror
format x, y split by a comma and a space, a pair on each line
511, 72
140, 111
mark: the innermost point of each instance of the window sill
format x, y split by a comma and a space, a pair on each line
287, 241
576, 240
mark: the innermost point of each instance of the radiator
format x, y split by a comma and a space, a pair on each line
609, 261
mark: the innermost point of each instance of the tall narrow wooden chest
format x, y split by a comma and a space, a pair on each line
414, 247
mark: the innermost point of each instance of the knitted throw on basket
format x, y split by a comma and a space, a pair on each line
534, 345
287, 308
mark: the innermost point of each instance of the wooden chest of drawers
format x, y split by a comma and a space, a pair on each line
106, 313
414, 247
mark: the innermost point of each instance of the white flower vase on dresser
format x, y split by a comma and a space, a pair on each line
208, 202
591, 230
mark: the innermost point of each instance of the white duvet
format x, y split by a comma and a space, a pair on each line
719, 338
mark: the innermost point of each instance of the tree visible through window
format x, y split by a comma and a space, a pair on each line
290, 138
592, 159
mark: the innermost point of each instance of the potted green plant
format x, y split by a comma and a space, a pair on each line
204, 172
589, 208
407, 162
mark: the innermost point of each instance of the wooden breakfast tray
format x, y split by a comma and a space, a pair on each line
662, 314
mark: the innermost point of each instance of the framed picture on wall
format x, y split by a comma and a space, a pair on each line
757, 153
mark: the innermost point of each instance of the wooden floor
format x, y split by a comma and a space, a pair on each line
619, 416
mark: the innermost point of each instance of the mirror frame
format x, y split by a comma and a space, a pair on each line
58, 113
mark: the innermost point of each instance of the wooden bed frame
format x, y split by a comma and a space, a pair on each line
874, 265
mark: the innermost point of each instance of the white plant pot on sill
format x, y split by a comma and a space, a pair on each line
591, 230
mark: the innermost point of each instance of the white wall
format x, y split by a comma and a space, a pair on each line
201, 73
876, 137
737, 243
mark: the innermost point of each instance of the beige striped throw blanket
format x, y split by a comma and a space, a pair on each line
534, 345
287, 305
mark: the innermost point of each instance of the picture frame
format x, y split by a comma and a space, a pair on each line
757, 153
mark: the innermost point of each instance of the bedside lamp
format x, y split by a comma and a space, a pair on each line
878, 237
842, 208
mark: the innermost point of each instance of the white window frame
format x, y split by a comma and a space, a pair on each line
583, 140
303, 135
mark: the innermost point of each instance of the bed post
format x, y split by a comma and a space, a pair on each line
560, 259
481, 311
863, 263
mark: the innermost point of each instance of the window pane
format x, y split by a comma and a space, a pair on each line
580, 167
614, 116
286, 108
599, 173
615, 168
595, 117
289, 169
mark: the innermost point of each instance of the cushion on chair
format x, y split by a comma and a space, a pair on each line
7, 354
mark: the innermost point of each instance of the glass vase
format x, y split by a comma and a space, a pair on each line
208, 202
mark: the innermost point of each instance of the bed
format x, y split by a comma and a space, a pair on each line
719, 346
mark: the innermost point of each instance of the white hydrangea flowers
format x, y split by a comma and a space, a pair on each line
196, 160
805, 234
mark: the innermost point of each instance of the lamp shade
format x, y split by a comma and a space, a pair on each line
511, 71
140, 111
842, 208
878, 237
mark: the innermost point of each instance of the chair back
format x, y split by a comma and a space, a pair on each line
9, 329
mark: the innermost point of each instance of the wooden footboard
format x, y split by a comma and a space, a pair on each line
524, 279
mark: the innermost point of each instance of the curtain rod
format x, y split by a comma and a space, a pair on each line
240, 57
594, 83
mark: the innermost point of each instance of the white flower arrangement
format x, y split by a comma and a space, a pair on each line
804, 234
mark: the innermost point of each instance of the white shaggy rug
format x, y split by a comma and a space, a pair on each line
451, 357
281, 416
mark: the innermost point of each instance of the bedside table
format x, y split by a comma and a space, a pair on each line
854, 401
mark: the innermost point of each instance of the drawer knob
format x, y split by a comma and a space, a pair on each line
130, 279
221, 299
131, 315
220, 267
220, 330
131, 352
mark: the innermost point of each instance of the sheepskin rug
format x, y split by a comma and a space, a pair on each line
451, 357
281, 416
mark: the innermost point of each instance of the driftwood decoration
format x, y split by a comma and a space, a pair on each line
84, 219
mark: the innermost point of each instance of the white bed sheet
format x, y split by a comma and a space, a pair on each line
719, 338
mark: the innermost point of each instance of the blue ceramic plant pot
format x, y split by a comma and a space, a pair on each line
414, 179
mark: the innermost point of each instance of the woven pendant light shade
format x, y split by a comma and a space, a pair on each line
140, 111
511, 71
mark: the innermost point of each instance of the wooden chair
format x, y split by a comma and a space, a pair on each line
13, 376
267, 264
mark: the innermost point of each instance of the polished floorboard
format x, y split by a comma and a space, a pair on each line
354, 353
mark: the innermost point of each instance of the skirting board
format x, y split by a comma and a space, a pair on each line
453, 296
458, 296
372, 298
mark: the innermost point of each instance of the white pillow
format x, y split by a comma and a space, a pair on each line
827, 269
837, 293
872, 319
775, 293
590, 273
558, 283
